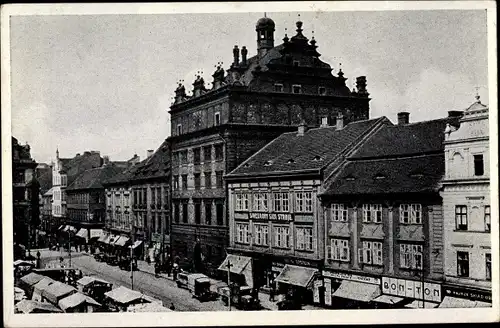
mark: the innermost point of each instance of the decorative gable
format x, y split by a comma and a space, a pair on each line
372, 231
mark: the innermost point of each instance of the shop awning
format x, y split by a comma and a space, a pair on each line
114, 240
237, 263
357, 291
124, 295
417, 304
83, 233
69, 228
103, 238
110, 239
388, 299
61, 227
75, 300
296, 275
455, 302
121, 241
136, 244
96, 233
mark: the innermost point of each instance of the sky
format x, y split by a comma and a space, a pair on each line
106, 82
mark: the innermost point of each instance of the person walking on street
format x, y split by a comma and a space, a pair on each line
172, 307
272, 291
157, 269
175, 270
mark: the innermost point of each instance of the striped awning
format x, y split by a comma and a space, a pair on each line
83, 233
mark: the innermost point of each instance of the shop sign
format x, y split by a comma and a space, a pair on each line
317, 284
473, 295
353, 277
412, 289
298, 262
304, 218
328, 291
270, 216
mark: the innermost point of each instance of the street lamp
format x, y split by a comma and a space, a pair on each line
229, 265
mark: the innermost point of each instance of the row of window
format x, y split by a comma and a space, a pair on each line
463, 265
410, 255
281, 234
83, 198
181, 157
207, 176
281, 201
140, 196
181, 211
297, 89
59, 195
61, 180
216, 123
462, 221
57, 210
83, 215
408, 213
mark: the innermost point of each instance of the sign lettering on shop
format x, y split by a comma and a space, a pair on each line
483, 296
353, 277
270, 216
411, 289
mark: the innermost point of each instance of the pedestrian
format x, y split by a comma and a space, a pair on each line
172, 307
61, 262
174, 272
148, 260
157, 269
272, 291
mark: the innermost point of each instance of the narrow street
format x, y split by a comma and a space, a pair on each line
160, 288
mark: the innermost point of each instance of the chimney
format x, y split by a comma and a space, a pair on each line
455, 113
339, 125
244, 53
236, 55
324, 122
105, 160
302, 129
149, 153
403, 118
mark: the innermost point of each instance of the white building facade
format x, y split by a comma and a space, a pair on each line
467, 210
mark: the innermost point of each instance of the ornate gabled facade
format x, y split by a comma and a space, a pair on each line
467, 209
216, 129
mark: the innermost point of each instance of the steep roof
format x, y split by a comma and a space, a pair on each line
415, 138
156, 166
93, 178
396, 159
45, 181
75, 166
314, 150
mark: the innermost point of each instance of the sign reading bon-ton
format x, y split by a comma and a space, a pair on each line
412, 289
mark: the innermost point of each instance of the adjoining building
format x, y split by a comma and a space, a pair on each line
150, 194
46, 228
467, 210
86, 202
64, 172
25, 198
214, 130
276, 221
384, 219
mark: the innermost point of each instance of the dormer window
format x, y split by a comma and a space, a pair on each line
268, 163
297, 88
322, 91
179, 129
317, 158
380, 177
350, 178
217, 119
278, 87
296, 63
291, 161
246, 165
324, 120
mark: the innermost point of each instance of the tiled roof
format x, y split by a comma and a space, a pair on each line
75, 166
93, 178
314, 150
416, 174
415, 138
156, 166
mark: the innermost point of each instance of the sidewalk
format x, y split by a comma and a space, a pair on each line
263, 297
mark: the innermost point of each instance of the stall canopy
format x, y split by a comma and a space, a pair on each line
237, 263
136, 244
69, 228
32, 278
417, 304
43, 284
29, 306
83, 233
123, 295
455, 302
148, 307
61, 227
96, 233
103, 237
113, 239
54, 292
122, 240
388, 299
357, 291
75, 300
87, 280
19, 294
296, 275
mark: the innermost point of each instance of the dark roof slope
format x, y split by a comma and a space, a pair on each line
156, 166
45, 181
77, 165
415, 138
93, 178
312, 151
416, 174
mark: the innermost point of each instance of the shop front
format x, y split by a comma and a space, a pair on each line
405, 293
465, 297
348, 291
239, 268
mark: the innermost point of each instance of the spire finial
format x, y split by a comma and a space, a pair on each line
478, 97
265, 14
